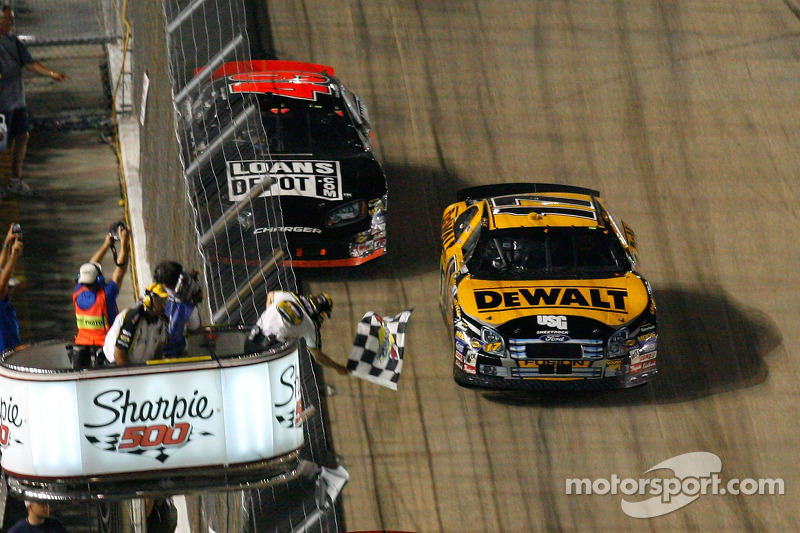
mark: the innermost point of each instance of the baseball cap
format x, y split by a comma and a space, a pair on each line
89, 273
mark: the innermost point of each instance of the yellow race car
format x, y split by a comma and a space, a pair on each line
541, 286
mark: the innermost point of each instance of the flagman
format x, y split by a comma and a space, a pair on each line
293, 316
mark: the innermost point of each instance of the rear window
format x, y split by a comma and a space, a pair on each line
295, 126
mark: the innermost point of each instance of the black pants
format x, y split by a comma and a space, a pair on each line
86, 357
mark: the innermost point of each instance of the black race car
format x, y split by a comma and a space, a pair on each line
283, 149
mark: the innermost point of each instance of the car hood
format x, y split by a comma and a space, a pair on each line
611, 301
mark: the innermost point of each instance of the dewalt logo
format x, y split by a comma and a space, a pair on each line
594, 298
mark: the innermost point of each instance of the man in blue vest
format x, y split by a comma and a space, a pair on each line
184, 296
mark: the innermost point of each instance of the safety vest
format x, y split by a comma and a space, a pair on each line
92, 323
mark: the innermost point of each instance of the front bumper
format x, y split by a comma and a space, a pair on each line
478, 370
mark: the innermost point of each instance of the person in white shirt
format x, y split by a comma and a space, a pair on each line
293, 316
139, 333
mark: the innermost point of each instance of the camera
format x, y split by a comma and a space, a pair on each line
16, 229
113, 230
188, 288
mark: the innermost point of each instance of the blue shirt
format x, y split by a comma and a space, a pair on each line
9, 325
178, 314
50, 525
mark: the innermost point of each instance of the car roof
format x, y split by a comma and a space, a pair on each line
283, 79
549, 209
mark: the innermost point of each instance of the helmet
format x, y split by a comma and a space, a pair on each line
318, 306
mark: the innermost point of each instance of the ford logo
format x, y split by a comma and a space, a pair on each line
554, 338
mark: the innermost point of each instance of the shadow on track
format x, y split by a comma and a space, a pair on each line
708, 344
417, 198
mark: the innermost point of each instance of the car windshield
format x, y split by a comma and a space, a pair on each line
296, 126
546, 253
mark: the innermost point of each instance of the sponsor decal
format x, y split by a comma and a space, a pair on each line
460, 347
448, 237
9, 418
552, 321
613, 364
310, 179
471, 357
475, 343
641, 357
648, 364
288, 229
646, 337
288, 413
288, 84
538, 363
600, 299
554, 338
642, 366
152, 427
647, 327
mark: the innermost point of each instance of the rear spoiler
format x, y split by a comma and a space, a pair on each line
502, 189
267, 65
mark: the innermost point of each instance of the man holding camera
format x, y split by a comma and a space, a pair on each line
95, 299
184, 296
11, 252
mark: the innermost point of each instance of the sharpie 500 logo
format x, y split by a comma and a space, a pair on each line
150, 425
288, 405
9, 417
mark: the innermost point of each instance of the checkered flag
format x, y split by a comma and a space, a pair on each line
377, 354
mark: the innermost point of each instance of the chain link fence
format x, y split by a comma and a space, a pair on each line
69, 36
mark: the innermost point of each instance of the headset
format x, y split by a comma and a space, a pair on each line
154, 290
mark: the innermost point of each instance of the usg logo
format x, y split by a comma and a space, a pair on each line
552, 321
554, 338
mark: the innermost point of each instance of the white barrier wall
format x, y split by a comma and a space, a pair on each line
162, 420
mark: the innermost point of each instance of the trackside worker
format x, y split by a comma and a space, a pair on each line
95, 300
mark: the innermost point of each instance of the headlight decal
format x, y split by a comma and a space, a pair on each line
346, 214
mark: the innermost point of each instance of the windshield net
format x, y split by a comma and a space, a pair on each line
538, 253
